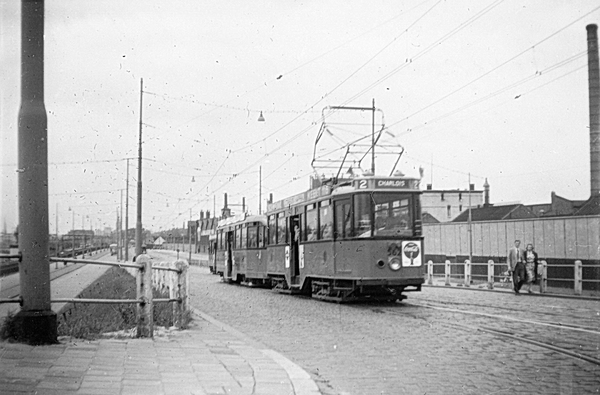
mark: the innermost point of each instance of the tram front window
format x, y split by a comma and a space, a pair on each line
362, 215
392, 215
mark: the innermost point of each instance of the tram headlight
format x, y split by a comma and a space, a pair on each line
395, 263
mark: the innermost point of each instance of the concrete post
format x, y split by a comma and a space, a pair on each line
544, 279
36, 320
578, 285
467, 273
490, 274
183, 282
430, 272
145, 309
447, 273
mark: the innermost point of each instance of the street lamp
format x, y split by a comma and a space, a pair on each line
73, 233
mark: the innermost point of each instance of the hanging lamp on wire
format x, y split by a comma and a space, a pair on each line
261, 118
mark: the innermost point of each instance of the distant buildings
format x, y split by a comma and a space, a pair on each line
443, 205
451, 205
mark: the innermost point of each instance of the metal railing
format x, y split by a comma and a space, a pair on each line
176, 284
490, 278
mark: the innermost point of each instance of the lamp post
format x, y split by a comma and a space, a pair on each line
138, 223
73, 233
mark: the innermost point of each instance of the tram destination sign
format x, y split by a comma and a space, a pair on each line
386, 183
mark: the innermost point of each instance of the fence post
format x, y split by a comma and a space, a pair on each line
544, 279
430, 272
578, 286
467, 280
182, 292
490, 274
447, 272
145, 308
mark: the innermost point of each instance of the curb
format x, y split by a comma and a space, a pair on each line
301, 381
544, 295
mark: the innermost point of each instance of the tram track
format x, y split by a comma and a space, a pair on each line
560, 337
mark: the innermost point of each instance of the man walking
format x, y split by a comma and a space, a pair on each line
516, 264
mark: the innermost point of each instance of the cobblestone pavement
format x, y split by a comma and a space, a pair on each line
410, 348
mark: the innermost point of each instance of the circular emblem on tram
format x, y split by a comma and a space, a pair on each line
411, 250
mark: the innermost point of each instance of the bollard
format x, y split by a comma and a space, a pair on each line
467, 282
578, 285
430, 272
490, 274
544, 279
145, 309
447, 273
182, 292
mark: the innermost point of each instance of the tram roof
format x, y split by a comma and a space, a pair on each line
242, 218
349, 185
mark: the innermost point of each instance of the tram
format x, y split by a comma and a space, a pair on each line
351, 240
240, 250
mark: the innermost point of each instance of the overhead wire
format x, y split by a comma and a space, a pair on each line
494, 68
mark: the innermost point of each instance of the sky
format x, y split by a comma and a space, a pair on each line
469, 89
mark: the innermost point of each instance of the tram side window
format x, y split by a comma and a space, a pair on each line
343, 219
312, 223
272, 230
244, 233
392, 215
362, 215
325, 220
252, 236
281, 228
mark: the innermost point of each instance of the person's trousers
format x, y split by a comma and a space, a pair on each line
519, 276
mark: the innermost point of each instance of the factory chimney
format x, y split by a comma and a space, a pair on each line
594, 94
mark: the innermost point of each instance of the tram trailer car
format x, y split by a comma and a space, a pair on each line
241, 250
353, 240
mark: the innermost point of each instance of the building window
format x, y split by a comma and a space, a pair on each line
449, 209
442, 196
460, 208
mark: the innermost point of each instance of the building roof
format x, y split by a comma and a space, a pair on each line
590, 207
495, 213
427, 218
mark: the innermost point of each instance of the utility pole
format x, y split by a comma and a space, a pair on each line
127, 215
121, 227
118, 226
373, 140
190, 236
138, 222
56, 226
470, 225
36, 321
260, 190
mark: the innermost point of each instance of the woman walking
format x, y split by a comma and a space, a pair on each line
531, 264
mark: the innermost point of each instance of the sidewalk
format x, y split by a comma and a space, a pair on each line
209, 358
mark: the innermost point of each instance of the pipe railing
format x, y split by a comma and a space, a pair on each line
466, 278
176, 282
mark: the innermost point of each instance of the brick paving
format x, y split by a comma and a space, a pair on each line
405, 349
210, 358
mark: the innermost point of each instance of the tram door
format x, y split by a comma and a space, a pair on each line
294, 248
229, 250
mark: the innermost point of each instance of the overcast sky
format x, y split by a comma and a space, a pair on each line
497, 89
